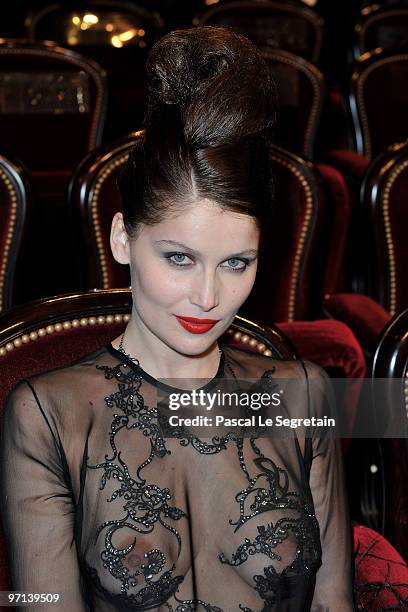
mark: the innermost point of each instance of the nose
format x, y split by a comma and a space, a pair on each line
205, 291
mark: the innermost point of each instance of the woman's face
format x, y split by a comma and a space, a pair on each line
199, 264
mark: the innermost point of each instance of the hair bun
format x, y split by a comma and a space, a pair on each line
179, 68
217, 79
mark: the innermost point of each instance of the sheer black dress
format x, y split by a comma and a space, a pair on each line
102, 508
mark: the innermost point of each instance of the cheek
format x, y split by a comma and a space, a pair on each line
154, 283
239, 291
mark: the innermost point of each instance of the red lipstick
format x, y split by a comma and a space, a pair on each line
196, 326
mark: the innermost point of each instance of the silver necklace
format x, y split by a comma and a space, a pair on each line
137, 362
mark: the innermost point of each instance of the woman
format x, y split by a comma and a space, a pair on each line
99, 505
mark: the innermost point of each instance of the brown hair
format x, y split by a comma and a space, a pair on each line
212, 107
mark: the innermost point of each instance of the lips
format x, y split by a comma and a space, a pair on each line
196, 326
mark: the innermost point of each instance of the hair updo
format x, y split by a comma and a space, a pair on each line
211, 110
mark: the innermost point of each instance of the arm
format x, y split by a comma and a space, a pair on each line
333, 591
37, 506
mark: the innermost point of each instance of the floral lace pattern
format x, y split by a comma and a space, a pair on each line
146, 505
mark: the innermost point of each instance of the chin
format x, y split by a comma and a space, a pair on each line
196, 345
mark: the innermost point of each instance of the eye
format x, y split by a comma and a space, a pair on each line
237, 265
178, 259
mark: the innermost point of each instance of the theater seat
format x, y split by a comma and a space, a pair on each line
58, 98
15, 199
55, 331
283, 25
381, 27
380, 573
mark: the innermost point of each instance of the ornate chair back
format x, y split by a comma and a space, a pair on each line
384, 27
15, 194
386, 217
273, 24
57, 97
379, 120
117, 35
300, 88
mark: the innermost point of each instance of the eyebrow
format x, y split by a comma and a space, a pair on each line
250, 252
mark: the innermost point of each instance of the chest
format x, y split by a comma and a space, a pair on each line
188, 514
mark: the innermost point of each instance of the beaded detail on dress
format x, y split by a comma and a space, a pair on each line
146, 505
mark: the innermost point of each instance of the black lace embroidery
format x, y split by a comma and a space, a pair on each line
147, 505
273, 587
368, 594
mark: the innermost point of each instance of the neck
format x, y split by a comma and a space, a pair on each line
161, 361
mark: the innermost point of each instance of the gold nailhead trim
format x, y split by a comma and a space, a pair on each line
314, 76
303, 233
9, 232
360, 97
392, 305
95, 216
362, 28
41, 332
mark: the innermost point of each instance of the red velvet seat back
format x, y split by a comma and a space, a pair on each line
300, 96
385, 201
15, 197
291, 269
117, 35
273, 24
379, 102
381, 27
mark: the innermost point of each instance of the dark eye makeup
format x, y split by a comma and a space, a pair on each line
177, 258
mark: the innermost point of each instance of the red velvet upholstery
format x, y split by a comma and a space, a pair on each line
377, 121
337, 218
380, 576
352, 165
276, 24
363, 315
121, 37
15, 197
329, 343
300, 88
334, 347
288, 283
